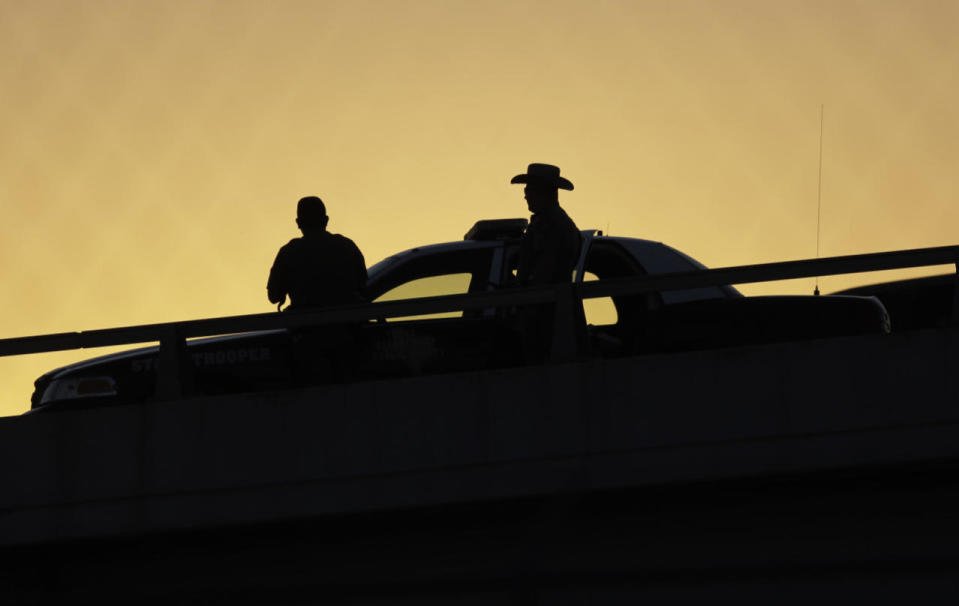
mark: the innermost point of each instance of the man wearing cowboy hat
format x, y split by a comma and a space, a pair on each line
550, 246
548, 252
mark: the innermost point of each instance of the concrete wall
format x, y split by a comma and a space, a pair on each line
489, 435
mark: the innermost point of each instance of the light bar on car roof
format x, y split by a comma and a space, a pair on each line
497, 229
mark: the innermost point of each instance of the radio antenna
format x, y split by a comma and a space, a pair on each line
819, 195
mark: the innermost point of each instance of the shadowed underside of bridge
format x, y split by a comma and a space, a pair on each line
784, 472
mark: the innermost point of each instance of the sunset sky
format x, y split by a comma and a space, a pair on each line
152, 152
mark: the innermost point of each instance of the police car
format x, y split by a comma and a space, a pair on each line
485, 260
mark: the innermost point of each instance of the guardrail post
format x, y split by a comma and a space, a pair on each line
172, 365
563, 347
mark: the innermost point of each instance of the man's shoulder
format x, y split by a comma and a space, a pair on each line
564, 216
343, 241
556, 218
291, 245
340, 238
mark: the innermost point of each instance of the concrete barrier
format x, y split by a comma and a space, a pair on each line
429, 441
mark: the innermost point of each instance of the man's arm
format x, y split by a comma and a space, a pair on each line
276, 285
547, 261
558, 255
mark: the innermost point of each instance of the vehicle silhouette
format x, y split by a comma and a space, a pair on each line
485, 260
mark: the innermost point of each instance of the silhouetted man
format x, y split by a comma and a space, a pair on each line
316, 270
550, 247
548, 253
320, 268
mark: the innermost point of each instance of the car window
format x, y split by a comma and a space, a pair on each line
607, 260
430, 286
601, 310
432, 274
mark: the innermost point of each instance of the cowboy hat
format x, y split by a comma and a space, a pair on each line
543, 173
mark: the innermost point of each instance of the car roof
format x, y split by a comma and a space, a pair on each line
377, 268
658, 258
654, 256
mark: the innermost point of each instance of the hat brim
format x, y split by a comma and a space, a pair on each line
558, 182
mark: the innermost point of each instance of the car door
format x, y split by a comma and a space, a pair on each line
441, 342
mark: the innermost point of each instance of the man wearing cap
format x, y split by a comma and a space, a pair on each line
316, 270
550, 247
548, 252
320, 268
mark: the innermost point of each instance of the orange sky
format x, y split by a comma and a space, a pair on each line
153, 152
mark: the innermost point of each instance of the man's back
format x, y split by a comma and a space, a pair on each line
319, 269
550, 248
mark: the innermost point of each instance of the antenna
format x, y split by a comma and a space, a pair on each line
819, 195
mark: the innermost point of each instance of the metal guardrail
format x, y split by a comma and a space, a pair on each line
172, 335
770, 272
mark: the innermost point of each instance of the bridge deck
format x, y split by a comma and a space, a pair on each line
429, 441
784, 473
